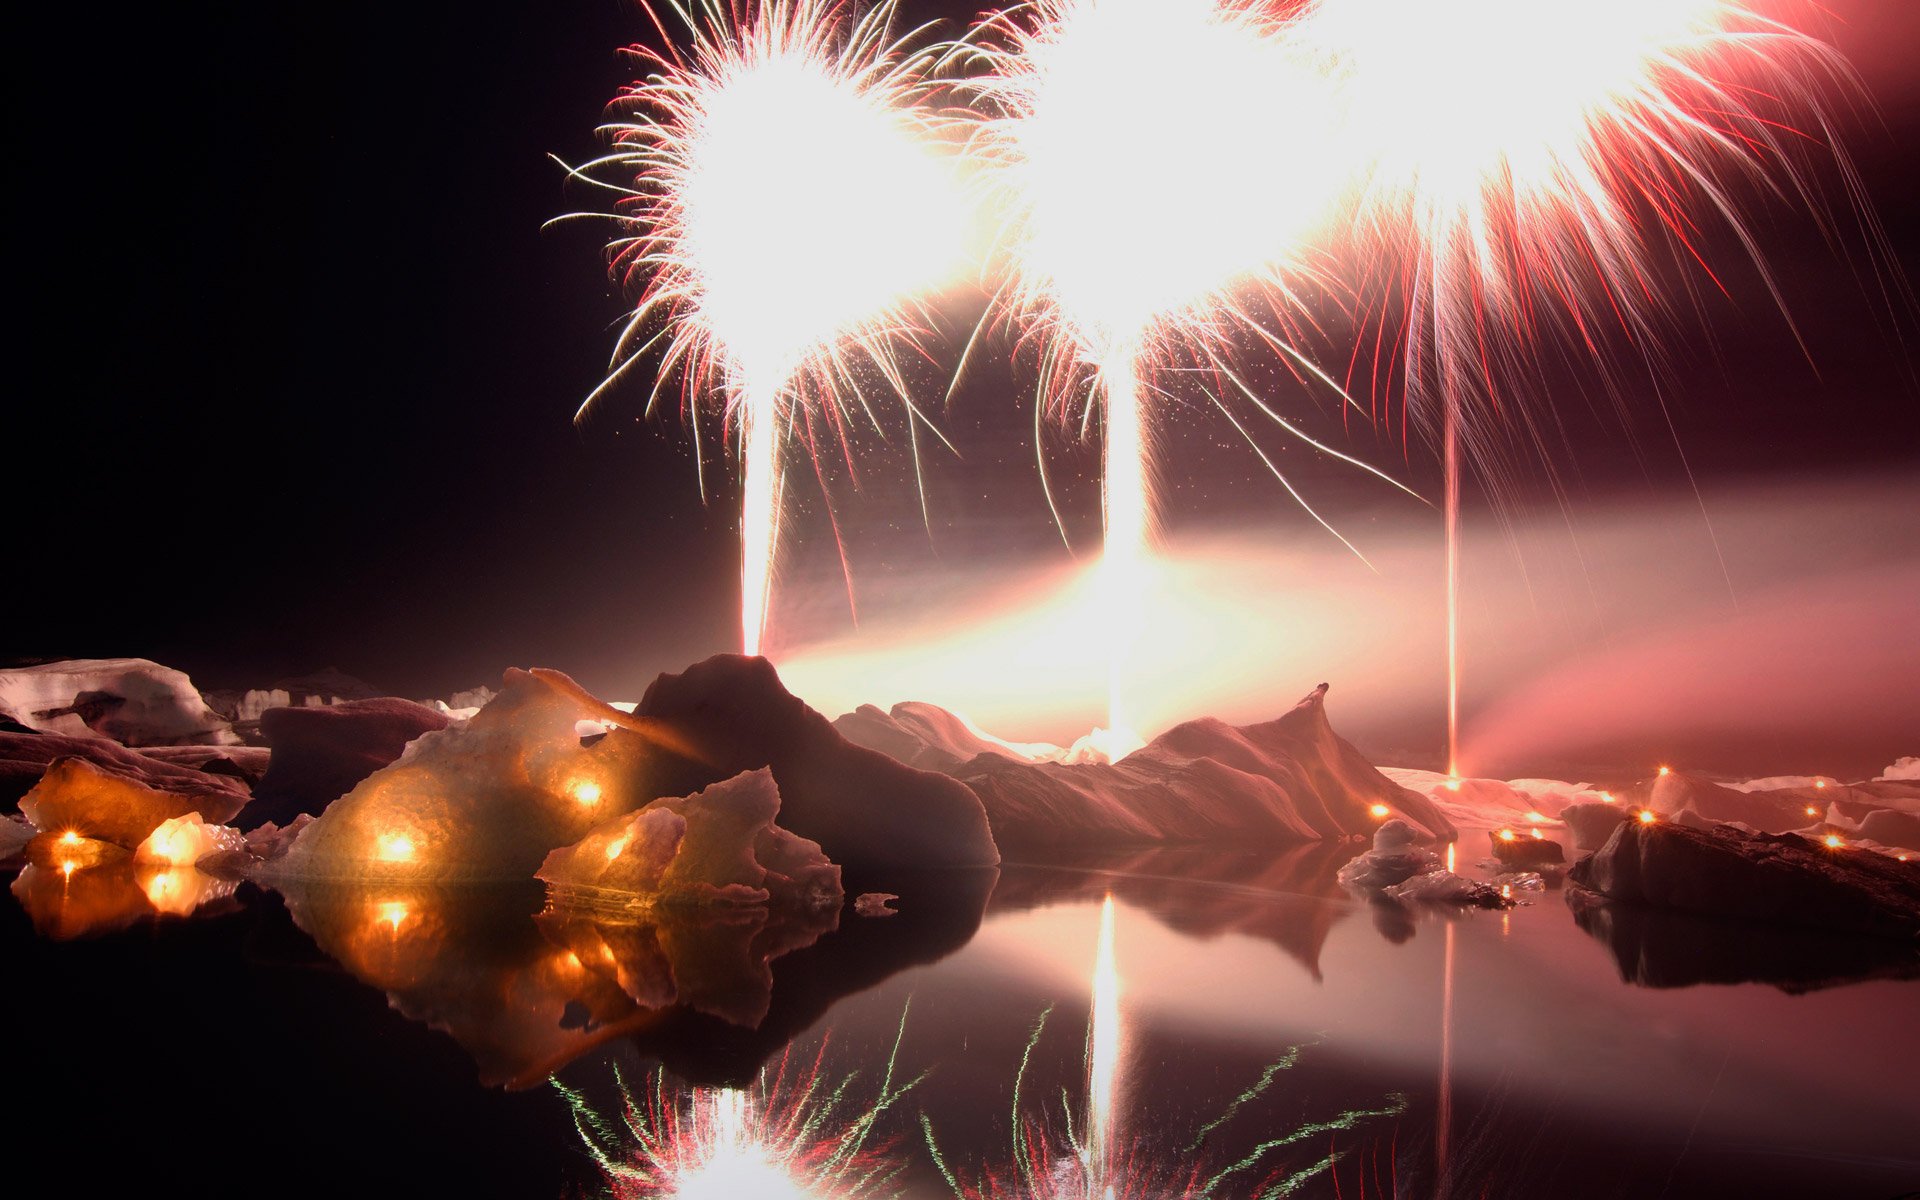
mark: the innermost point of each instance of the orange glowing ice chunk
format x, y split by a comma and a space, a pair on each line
396, 847
615, 847
394, 914
587, 792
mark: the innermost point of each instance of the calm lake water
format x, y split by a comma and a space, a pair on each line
400, 1043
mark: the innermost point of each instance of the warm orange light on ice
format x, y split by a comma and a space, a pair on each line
396, 847
1834, 841
393, 914
70, 838
1646, 817
1506, 835
1380, 810
1665, 771
587, 793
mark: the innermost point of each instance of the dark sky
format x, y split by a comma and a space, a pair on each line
297, 363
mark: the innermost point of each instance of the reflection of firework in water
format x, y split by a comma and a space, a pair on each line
796, 1134
1097, 1161
1531, 164
782, 204
1145, 214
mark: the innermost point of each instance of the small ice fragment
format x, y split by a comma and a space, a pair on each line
875, 904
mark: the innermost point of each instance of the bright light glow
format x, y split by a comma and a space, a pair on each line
1665, 771
70, 838
732, 1164
1819, 783
1453, 785
587, 793
174, 844
1607, 798
1380, 811
1506, 835
393, 914
1134, 230
786, 205
1450, 846
1536, 817
1646, 817
1536, 835
1834, 841
1103, 1062
1812, 811
396, 847
616, 848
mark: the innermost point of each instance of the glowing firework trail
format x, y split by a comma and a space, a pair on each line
1531, 164
794, 1134
784, 206
1145, 212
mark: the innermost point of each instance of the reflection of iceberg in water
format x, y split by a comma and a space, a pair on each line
66, 902
713, 991
1667, 949
794, 1132
1114, 1154
1203, 892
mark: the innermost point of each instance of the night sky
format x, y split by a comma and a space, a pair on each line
296, 363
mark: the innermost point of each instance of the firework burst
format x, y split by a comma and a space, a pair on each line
797, 1134
1146, 220
784, 206
1529, 166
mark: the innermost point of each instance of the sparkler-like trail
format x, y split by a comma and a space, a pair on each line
1450, 506
759, 513
1158, 177
1127, 511
785, 127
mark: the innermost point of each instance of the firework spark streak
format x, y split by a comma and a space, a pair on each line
1145, 215
784, 205
1528, 166
796, 1135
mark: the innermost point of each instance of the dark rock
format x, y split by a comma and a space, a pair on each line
1785, 880
1658, 948
1530, 848
320, 753
1288, 780
865, 809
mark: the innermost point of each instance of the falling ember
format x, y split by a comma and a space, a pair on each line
787, 126
1138, 235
